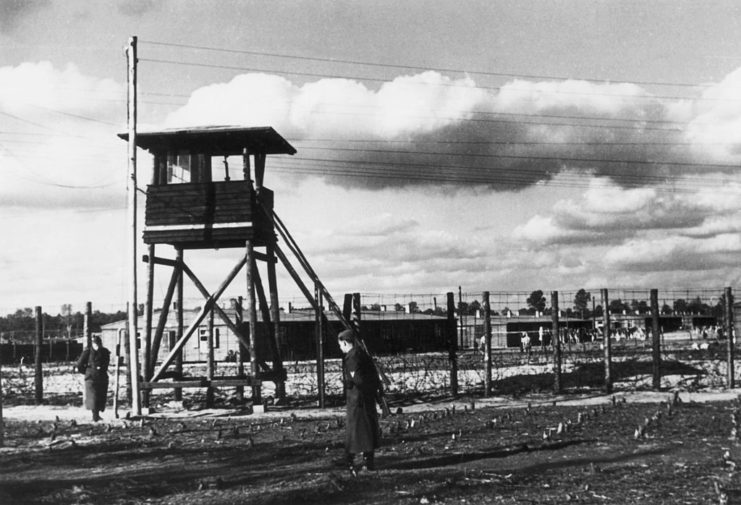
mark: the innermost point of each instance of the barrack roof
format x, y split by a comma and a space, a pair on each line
214, 140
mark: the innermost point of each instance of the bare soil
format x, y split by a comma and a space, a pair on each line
435, 451
523, 445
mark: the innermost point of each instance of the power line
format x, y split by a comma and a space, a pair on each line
531, 157
378, 79
419, 67
510, 142
419, 172
38, 179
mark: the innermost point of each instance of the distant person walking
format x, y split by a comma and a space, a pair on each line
94, 363
361, 383
526, 345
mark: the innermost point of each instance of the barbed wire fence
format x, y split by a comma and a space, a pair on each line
559, 341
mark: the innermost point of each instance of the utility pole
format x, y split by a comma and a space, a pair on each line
131, 193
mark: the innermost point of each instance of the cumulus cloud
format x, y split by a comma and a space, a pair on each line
715, 128
607, 212
431, 129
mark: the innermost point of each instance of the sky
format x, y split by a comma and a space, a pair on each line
491, 145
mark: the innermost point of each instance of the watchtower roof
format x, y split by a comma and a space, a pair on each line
214, 140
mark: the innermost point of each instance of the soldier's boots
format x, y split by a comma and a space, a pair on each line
369, 462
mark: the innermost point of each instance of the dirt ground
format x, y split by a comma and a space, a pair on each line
647, 447
523, 445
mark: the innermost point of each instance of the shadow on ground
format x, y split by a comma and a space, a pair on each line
591, 376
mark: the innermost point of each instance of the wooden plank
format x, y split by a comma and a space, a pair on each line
202, 383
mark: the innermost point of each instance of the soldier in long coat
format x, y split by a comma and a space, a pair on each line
361, 383
94, 363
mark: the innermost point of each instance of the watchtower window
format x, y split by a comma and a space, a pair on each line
186, 167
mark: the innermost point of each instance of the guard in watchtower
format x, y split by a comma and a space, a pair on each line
361, 384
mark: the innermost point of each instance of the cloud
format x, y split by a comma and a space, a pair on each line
715, 128
676, 253
608, 213
12, 12
431, 129
58, 145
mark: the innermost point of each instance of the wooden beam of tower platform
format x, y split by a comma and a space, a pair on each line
209, 305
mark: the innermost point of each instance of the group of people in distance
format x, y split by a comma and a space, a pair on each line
360, 381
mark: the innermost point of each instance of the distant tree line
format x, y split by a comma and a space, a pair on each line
581, 307
63, 325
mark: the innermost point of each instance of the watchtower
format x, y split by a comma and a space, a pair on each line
197, 201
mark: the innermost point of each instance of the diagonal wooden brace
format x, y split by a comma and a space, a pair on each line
223, 315
208, 306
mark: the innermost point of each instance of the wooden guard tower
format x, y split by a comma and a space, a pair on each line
196, 201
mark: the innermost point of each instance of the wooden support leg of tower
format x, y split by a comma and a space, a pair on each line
240, 354
267, 322
178, 393
210, 365
162, 321
252, 319
280, 385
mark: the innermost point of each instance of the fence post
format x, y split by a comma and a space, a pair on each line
86, 324
319, 297
606, 340
347, 314
656, 339
2, 423
729, 336
487, 342
127, 352
356, 315
557, 387
452, 345
39, 375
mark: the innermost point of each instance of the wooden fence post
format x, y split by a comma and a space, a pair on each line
606, 340
729, 336
452, 345
86, 324
2, 423
319, 297
656, 339
39, 375
347, 314
485, 297
557, 387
